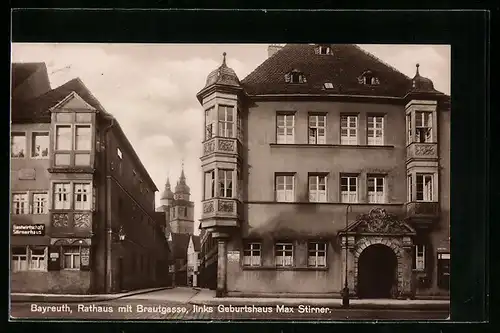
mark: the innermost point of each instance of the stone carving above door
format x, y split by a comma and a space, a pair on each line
380, 222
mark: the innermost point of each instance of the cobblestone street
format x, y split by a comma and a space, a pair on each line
173, 304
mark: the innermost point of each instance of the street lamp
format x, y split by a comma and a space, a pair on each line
345, 291
121, 234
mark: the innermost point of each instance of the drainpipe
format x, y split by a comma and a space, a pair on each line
107, 203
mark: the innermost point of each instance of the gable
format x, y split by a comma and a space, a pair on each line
378, 221
73, 102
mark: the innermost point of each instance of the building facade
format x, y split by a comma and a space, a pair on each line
326, 168
82, 206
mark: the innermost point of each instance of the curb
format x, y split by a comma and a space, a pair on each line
78, 298
425, 306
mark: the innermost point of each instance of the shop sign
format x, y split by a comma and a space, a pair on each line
233, 256
28, 230
26, 174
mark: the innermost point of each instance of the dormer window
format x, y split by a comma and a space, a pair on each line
323, 50
368, 78
295, 76
328, 85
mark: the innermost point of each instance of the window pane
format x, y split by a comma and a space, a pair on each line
40, 145
18, 145
289, 121
281, 120
83, 138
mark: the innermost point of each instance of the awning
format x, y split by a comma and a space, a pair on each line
29, 240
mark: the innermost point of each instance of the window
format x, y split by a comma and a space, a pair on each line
376, 130
376, 189
120, 161
419, 262
20, 203
239, 125
226, 183
38, 258
61, 195
40, 203
209, 184
324, 50
119, 153
83, 137
71, 255
284, 254
209, 123
182, 211
348, 189
295, 76
18, 145
82, 196
63, 137
19, 259
251, 254
409, 183
33, 258
443, 271
328, 85
409, 129
424, 187
226, 121
316, 254
349, 130
423, 126
317, 129
40, 145
317, 188
285, 188
285, 128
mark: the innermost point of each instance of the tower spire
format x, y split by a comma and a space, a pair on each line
417, 74
183, 177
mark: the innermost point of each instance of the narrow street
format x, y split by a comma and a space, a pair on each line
173, 304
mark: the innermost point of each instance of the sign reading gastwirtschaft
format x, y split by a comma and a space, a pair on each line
28, 230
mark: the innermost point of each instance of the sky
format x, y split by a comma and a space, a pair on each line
151, 90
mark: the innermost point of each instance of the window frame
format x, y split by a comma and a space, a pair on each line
19, 134
226, 125
285, 183
429, 126
285, 138
34, 203
26, 208
349, 192
72, 195
349, 140
419, 257
317, 191
374, 139
211, 186
315, 128
317, 252
71, 144
210, 120
248, 247
222, 184
34, 135
72, 254
375, 178
283, 250
28, 255
425, 192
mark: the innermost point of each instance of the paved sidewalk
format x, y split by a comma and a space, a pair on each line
74, 298
207, 297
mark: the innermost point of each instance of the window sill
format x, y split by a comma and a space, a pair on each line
71, 169
279, 268
303, 145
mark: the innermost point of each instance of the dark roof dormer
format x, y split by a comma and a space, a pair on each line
295, 76
368, 78
323, 49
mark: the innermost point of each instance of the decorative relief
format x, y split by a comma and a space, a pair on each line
423, 208
208, 207
82, 220
226, 145
425, 150
226, 206
208, 147
379, 221
60, 219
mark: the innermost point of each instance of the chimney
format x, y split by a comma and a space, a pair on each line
272, 49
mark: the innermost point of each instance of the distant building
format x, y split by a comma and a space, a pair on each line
316, 136
82, 203
179, 214
193, 260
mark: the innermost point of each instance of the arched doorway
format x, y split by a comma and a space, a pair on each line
377, 267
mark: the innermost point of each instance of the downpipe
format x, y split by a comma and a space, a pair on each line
109, 233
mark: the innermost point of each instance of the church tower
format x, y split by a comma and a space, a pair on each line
180, 212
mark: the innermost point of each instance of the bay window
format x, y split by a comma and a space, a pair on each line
209, 123
225, 183
423, 126
226, 121
424, 187
64, 137
61, 195
82, 198
209, 184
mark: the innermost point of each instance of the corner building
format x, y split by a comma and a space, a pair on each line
82, 203
325, 167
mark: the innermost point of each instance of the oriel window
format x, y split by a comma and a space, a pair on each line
226, 121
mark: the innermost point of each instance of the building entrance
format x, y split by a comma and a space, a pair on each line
377, 267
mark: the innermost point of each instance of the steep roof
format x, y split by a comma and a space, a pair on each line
343, 68
179, 245
22, 71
